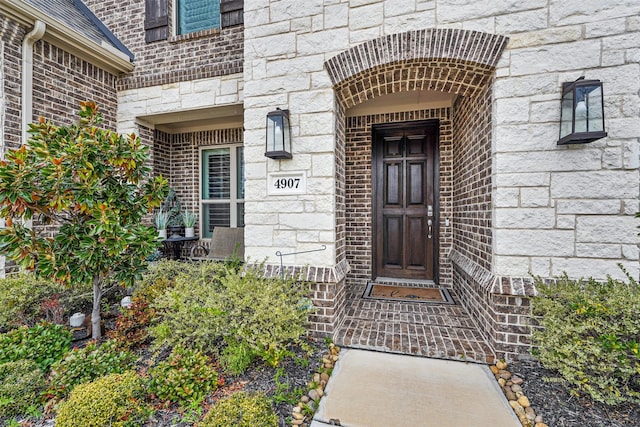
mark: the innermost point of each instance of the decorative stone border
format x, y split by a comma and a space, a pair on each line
511, 387
303, 412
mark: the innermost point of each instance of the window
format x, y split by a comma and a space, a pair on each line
222, 188
197, 15
191, 16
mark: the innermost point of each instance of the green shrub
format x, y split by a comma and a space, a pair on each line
132, 324
86, 364
159, 277
236, 357
113, 400
43, 343
186, 378
189, 312
237, 306
20, 385
591, 336
22, 297
241, 410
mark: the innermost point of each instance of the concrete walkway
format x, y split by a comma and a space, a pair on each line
370, 389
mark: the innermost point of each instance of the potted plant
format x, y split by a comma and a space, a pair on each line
189, 220
173, 209
161, 220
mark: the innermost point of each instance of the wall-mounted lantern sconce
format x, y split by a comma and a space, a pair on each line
582, 112
278, 135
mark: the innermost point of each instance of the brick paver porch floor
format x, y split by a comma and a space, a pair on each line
432, 330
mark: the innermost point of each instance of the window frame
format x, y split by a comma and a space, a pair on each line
233, 200
176, 21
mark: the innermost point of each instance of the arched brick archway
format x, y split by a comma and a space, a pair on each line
448, 60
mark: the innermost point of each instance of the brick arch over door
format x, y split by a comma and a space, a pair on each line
447, 60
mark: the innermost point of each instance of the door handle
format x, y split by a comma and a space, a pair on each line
429, 223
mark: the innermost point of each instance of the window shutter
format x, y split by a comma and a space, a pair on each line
197, 15
156, 20
231, 12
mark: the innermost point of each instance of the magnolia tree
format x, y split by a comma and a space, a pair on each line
94, 185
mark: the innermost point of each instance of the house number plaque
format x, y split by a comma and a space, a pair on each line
285, 183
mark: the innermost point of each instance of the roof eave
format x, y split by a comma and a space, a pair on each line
104, 56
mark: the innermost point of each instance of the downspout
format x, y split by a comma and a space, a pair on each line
30, 38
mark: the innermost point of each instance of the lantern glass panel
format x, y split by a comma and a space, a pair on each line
274, 133
566, 114
595, 119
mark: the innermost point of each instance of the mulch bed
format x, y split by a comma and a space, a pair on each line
559, 408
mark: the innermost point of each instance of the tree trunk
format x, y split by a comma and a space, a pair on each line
96, 331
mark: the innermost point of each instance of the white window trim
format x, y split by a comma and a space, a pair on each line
233, 199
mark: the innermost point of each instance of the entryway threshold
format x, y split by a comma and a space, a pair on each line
371, 389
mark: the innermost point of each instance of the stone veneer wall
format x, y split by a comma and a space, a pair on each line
359, 189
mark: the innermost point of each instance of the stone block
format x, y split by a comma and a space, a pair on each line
540, 179
551, 243
258, 235
336, 15
317, 124
266, 29
576, 56
269, 46
509, 87
589, 207
594, 185
456, 11
506, 197
308, 236
538, 218
512, 266
566, 222
630, 207
336, 39
368, 16
598, 250
286, 238
573, 12
361, 36
612, 158
623, 80
513, 23
623, 128
607, 229
545, 37
485, 25
630, 252
307, 221
541, 267
605, 28
545, 112
283, 10
511, 110
525, 137
582, 159
399, 7
312, 101
277, 85
534, 197
400, 24
578, 268
323, 165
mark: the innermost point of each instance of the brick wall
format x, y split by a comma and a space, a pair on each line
472, 234
358, 175
180, 58
11, 34
61, 81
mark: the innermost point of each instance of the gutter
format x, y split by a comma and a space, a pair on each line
103, 54
27, 75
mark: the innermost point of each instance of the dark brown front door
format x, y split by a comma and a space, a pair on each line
405, 173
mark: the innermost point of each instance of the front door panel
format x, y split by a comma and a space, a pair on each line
405, 184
